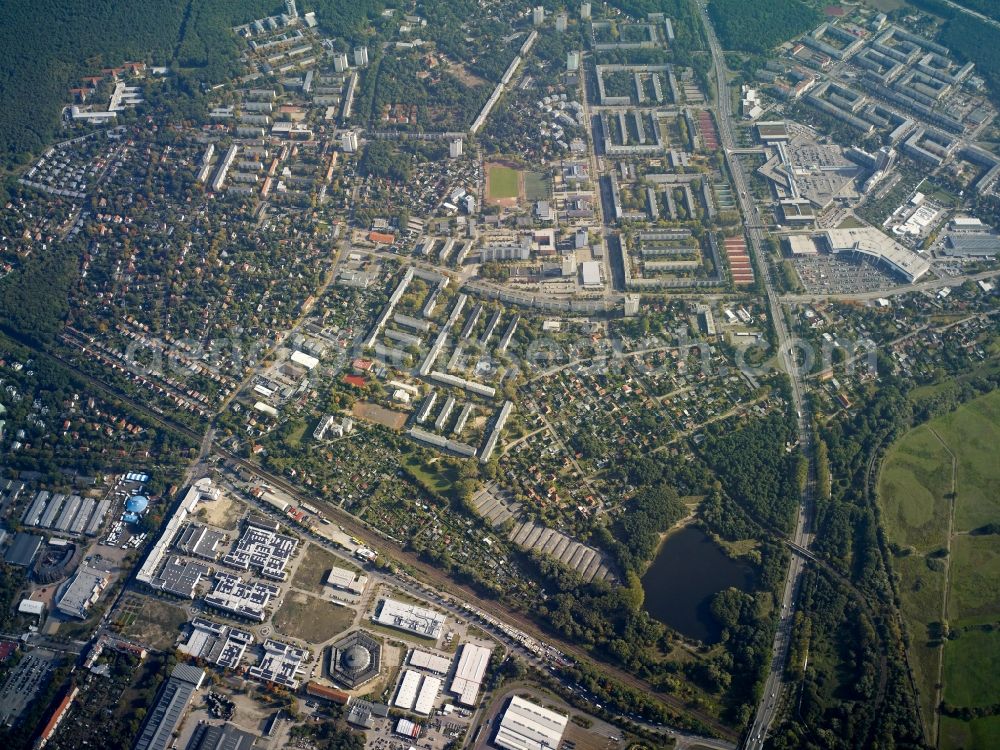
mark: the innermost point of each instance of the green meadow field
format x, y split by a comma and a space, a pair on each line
939, 485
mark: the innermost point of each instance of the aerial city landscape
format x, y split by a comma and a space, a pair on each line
446, 374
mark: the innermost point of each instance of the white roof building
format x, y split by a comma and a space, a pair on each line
591, 270
430, 662
31, 607
429, 689
469, 673
873, 244
410, 617
527, 726
801, 245
82, 591
406, 696
347, 580
265, 409
306, 360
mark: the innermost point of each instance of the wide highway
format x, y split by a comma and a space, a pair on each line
774, 685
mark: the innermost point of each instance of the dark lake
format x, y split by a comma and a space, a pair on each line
688, 571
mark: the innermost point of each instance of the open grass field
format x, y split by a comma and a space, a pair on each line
537, 186
151, 622
957, 734
503, 184
311, 619
921, 592
432, 475
975, 581
914, 481
312, 571
971, 666
973, 434
916, 494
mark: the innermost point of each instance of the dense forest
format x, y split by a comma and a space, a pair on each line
637, 532
382, 159
34, 301
759, 27
756, 470
45, 45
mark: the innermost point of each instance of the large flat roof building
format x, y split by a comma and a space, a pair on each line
347, 580
873, 244
220, 737
200, 541
217, 643
971, 245
411, 618
23, 549
468, 677
166, 714
527, 726
83, 590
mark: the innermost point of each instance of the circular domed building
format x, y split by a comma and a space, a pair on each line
355, 659
137, 504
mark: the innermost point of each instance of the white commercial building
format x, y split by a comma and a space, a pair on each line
429, 689
591, 271
527, 726
873, 244
347, 580
430, 662
468, 678
410, 617
306, 360
406, 696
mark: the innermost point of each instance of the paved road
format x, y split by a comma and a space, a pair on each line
774, 683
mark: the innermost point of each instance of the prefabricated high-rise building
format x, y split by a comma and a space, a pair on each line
538, 15
561, 21
340, 62
584, 11
572, 61
455, 148
349, 141
290, 9
632, 305
360, 56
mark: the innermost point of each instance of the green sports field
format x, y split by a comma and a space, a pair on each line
940, 482
502, 182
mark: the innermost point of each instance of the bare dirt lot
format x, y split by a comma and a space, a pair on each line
394, 420
222, 513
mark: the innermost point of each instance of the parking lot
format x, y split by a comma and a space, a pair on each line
824, 273
21, 685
